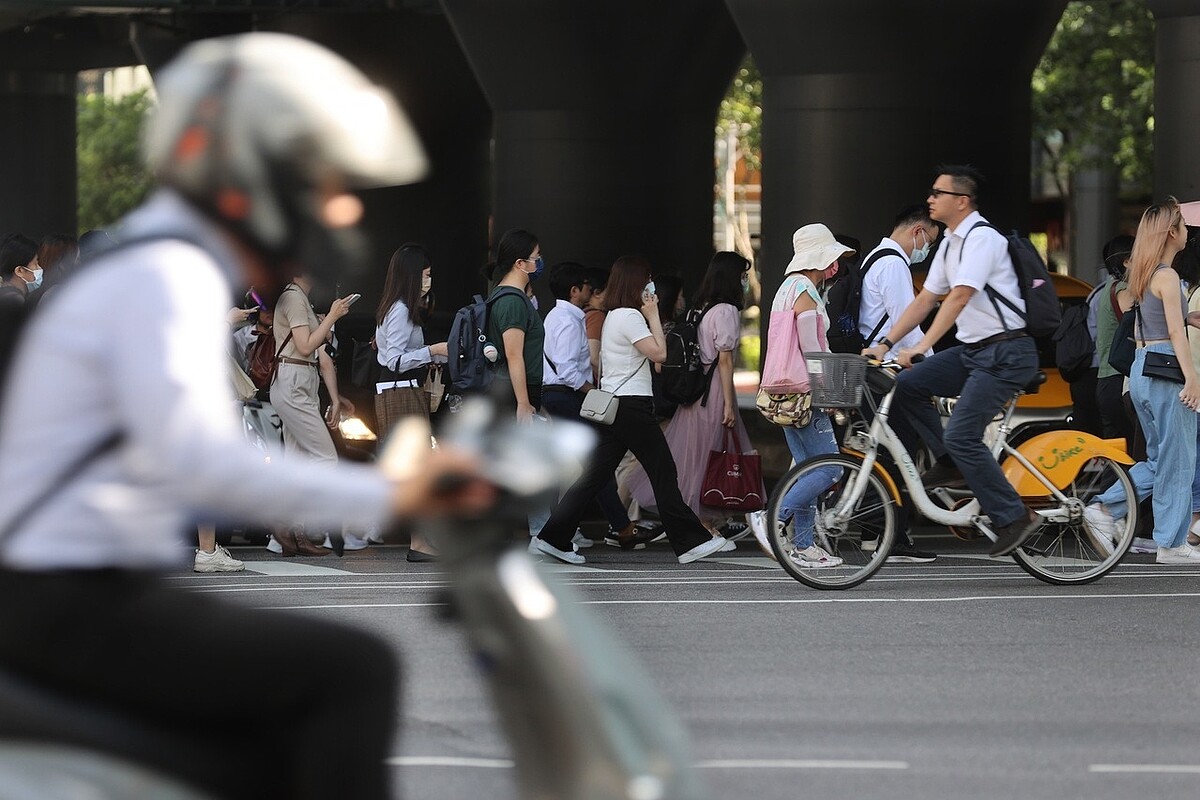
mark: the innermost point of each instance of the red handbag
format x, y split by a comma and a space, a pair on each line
733, 479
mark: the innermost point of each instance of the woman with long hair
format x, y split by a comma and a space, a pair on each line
631, 340
514, 326
404, 357
696, 430
1166, 411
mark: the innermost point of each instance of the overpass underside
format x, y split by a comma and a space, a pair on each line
592, 123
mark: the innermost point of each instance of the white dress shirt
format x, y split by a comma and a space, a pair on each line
982, 260
141, 346
566, 360
887, 288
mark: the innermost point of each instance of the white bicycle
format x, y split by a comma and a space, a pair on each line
1057, 474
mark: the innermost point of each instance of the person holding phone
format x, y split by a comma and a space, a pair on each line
631, 339
403, 356
302, 365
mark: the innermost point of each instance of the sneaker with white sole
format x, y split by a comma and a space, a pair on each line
757, 520
713, 545
729, 547
813, 557
1100, 529
1184, 554
273, 545
349, 542
580, 541
539, 546
218, 560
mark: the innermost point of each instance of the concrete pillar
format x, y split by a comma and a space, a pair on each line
604, 122
416, 56
1093, 219
1176, 106
37, 140
862, 98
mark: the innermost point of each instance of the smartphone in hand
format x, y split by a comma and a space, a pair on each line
352, 299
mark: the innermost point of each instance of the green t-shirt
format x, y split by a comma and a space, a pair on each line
1106, 326
514, 310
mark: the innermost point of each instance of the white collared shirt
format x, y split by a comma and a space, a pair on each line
982, 260
887, 288
141, 347
401, 344
567, 347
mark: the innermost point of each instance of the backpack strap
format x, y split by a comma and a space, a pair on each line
862, 273
1112, 299
992, 294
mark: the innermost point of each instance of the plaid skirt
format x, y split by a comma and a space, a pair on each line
394, 404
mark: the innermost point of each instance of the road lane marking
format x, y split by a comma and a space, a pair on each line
756, 763
1157, 769
291, 569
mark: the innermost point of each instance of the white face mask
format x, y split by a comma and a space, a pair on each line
426, 284
921, 253
649, 288
36, 283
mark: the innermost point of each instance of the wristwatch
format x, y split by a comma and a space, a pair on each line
886, 341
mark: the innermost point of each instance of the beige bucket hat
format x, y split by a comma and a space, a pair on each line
815, 248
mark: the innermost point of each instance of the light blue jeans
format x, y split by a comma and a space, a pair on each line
799, 503
1170, 464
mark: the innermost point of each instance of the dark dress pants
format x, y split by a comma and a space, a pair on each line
315, 702
984, 379
635, 430
566, 405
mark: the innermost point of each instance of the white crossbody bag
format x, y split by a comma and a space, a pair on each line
600, 406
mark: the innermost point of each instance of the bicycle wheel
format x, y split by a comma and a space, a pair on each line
862, 540
1073, 551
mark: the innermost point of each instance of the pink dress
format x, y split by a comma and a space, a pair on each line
696, 430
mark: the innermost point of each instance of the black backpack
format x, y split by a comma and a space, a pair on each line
683, 379
468, 366
1074, 347
1042, 314
844, 304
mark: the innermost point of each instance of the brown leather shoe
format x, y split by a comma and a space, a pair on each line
306, 546
287, 540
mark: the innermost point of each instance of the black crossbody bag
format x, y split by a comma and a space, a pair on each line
1163, 366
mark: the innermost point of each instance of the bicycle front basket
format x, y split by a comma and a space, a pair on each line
836, 379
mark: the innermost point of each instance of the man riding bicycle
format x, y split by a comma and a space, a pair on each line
996, 359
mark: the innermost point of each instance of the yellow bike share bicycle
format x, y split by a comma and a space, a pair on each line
1057, 474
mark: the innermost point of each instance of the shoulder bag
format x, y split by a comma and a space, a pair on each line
600, 406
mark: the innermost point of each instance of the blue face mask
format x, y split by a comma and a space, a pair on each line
538, 269
36, 283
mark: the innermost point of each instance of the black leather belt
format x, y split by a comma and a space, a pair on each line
999, 337
558, 387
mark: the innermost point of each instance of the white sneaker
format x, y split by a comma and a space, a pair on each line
814, 557
580, 541
218, 560
1184, 554
729, 547
352, 542
274, 546
757, 520
713, 545
539, 546
1100, 528
373, 535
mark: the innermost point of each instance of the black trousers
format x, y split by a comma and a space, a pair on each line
636, 430
566, 405
316, 701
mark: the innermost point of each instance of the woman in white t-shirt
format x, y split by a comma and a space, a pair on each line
631, 339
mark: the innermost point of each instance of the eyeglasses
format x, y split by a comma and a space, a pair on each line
935, 192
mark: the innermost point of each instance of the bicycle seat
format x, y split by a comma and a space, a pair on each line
1034, 385
60, 727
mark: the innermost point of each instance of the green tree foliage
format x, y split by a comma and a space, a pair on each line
1094, 88
112, 179
741, 112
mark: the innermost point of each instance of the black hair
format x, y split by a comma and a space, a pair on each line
722, 281
966, 178
597, 277
515, 244
1116, 251
15, 251
564, 277
403, 283
917, 213
668, 288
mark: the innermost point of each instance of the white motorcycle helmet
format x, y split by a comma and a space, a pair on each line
249, 128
